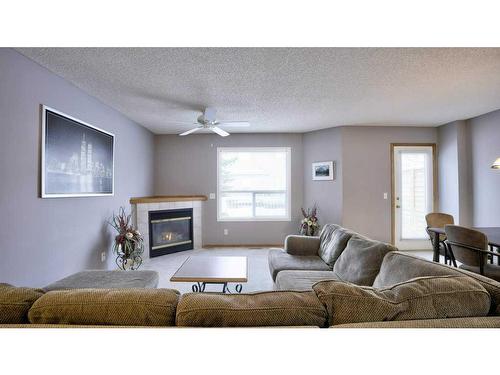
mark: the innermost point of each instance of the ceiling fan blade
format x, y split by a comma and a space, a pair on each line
180, 123
219, 131
189, 132
236, 124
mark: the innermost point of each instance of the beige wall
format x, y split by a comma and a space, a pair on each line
188, 165
367, 175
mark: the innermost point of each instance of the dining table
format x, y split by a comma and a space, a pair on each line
493, 234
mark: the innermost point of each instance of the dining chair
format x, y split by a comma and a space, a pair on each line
439, 220
470, 247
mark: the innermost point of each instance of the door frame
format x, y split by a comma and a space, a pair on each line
435, 201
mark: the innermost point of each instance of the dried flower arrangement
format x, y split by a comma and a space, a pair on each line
309, 224
129, 243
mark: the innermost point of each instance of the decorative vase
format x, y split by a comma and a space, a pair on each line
128, 261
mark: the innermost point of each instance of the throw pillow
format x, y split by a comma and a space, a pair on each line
360, 262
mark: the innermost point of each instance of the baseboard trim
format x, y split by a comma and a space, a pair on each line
211, 246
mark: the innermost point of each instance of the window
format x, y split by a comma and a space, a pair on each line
253, 183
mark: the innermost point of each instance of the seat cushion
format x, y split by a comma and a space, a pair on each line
102, 279
280, 261
398, 267
301, 280
333, 240
490, 270
421, 298
15, 303
250, 310
125, 307
472, 322
360, 262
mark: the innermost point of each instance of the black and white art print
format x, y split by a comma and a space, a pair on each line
77, 158
323, 170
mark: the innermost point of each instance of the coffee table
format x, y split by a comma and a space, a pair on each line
204, 270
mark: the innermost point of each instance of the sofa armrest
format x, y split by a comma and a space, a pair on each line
302, 245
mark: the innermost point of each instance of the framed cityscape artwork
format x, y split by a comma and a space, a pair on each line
77, 158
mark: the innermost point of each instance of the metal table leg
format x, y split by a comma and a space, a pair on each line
200, 287
435, 245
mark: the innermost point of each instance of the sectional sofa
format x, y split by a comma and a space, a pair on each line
361, 283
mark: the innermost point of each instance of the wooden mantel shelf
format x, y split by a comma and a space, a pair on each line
168, 198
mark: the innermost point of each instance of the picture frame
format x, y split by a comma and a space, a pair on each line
77, 159
323, 170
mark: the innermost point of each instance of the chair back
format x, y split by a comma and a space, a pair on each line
438, 220
465, 243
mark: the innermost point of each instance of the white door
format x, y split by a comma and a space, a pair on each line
413, 194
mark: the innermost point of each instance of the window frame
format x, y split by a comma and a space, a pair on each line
288, 191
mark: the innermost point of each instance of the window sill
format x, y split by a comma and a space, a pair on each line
256, 219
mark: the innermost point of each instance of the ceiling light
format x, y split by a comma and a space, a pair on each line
496, 164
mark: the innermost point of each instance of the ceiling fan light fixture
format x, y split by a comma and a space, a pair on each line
208, 120
496, 164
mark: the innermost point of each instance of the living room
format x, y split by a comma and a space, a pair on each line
324, 186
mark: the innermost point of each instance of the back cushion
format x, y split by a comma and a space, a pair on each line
398, 267
15, 303
360, 262
124, 307
333, 240
250, 310
421, 298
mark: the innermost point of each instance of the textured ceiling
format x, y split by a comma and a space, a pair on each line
284, 89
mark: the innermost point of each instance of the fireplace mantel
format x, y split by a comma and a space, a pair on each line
168, 198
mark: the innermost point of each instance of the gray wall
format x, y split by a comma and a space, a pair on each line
454, 171
484, 136
42, 240
324, 145
188, 165
367, 175
448, 169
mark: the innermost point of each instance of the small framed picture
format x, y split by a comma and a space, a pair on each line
323, 170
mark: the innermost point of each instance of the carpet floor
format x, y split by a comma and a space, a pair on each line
259, 278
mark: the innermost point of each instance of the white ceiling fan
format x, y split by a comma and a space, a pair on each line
209, 121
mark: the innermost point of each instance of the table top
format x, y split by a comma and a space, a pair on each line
493, 233
215, 269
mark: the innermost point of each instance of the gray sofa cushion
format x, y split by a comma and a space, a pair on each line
398, 267
102, 279
280, 261
301, 280
360, 262
333, 240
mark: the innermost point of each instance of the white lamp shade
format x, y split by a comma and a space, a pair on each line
496, 164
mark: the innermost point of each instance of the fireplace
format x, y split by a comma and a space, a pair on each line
170, 231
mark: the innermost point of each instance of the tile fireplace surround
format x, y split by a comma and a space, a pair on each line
141, 207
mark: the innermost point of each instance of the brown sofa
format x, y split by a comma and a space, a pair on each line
400, 291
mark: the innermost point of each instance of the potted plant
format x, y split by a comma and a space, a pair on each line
309, 224
129, 244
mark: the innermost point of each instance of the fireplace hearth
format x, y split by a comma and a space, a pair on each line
170, 231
